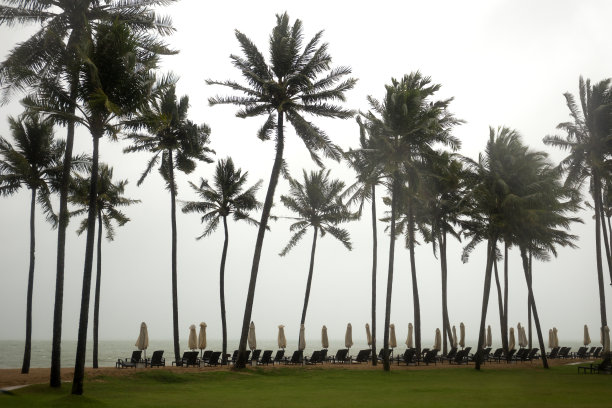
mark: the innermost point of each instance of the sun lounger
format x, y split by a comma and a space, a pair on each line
430, 357
323, 355
581, 353
407, 357
597, 352
190, 358
315, 358
554, 353
131, 361
156, 360
497, 355
591, 351
296, 358
280, 354
266, 357
213, 360
564, 352
605, 367
520, 355
381, 353
450, 355
255, 356
508, 356
363, 356
340, 357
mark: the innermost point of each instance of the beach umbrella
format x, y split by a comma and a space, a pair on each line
392, 339
324, 339
409, 342
525, 341
252, 340
368, 334
438, 341
512, 341
348, 337
555, 337
606, 346
192, 342
282, 340
550, 339
489, 337
202, 337
454, 337
143, 339
302, 340
462, 335
522, 338
587, 338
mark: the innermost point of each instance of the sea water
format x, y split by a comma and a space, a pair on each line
11, 352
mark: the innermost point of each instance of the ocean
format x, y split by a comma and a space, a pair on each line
11, 351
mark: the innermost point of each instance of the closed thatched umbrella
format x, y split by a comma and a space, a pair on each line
251, 339
462, 335
551, 341
324, 339
522, 337
192, 342
437, 341
455, 337
489, 342
587, 339
512, 341
281, 339
142, 343
555, 337
348, 336
202, 337
409, 342
392, 339
368, 335
302, 340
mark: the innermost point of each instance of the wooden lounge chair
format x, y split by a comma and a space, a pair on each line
508, 356
564, 352
430, 357
340, 357
597, 352
190, 358
266, 358
591, 351
497, 355
296, 357
605, 367
533, 354
553, 353
450, 355
381, 353
460, 358
213, 360
315, 358
255, 356
520, 355
280, 354
131, 361
407, 357
156, 360
323, 355
363, 356
581, 353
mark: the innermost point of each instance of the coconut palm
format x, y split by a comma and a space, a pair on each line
176, 144
108, 200
226, 198
297, 81
408, 125
54, 51
588, 140
317, 204
368, 169
34, 163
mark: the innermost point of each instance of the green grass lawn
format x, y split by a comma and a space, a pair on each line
295, 387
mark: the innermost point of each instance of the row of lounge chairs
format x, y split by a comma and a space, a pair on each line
156, 360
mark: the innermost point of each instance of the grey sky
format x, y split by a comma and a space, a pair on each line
505, 62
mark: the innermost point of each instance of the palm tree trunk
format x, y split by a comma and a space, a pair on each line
222, 292
175, 324
265, 214
56, 348
97, 292
374, 263
415, 288
446, 335
529, 306
506, 287
25, 368
485, 300
605, 236
502, 321
394, 191
309, 281
600, 280
533, 306
79, 366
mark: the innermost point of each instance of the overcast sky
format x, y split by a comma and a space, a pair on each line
505, 63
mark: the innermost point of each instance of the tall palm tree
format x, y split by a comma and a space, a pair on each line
108, 200
226, 198
176, 144
368, 169
54, 51
589, 142
298, 80
34, 163
408, 125
318, 205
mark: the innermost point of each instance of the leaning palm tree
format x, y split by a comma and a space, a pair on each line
298, 80
317, 204
226, 198
408, 125
589, 142
109, 198
368, 169
54, 51
34, 163
176, 144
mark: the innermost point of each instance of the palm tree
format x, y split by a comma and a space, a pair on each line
35, 163
109, 198
368, 170
225, 199
589, 142
176, 143
297, 81
407, 124
54, 51
317, 204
